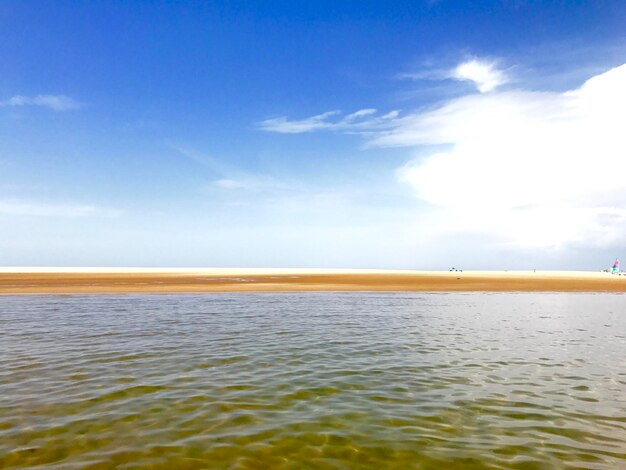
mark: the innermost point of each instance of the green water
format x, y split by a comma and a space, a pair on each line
317, 380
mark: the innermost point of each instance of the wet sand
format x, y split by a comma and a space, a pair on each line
164, 280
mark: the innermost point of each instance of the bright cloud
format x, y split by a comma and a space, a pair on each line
539, 169
54, 102
483, 74
529, 168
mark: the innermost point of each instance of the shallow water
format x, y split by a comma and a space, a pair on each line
314, 380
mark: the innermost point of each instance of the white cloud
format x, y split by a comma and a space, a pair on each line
535, 169
285, 126
482, 73
253, 183
360, 114
54, 102
363, 119
28, 208
529, 168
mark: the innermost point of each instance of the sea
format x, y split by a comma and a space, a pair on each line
313, 380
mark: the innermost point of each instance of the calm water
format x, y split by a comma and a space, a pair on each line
316, 380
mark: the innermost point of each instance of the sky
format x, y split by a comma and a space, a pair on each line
348, 134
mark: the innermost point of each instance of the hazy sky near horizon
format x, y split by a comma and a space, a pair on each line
406, 134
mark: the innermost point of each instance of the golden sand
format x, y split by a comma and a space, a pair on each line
163, 280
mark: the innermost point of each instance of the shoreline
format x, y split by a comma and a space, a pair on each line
35, 280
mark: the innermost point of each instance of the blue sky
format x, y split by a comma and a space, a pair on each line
421, 134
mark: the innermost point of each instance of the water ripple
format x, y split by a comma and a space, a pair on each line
316, 380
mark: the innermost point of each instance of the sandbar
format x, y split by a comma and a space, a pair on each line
37, 280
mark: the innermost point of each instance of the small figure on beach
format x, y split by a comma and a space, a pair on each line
616, 267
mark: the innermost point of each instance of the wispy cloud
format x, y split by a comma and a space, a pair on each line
255, 183
204, 159
363, 119
483, 73
227, 183
38, 209
54, 102
286, 126
232, 179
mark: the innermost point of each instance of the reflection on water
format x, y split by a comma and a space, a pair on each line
315, 380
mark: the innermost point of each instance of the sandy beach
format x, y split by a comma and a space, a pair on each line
164, 280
